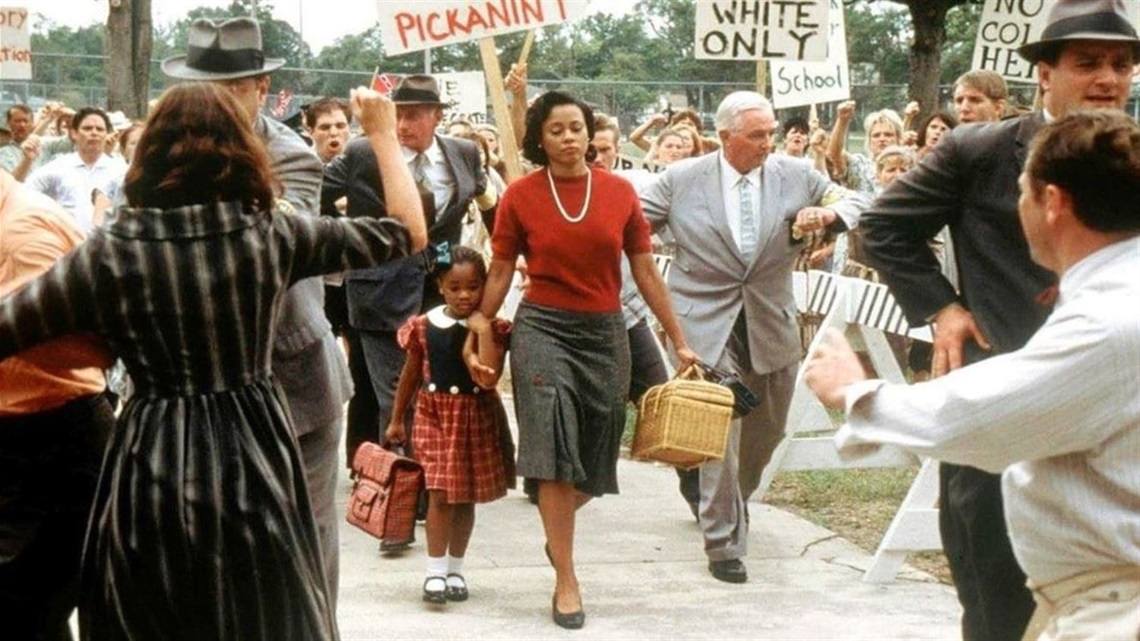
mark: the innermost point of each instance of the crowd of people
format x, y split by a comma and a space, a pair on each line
270, 295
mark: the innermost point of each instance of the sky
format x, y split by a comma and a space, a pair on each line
316, 20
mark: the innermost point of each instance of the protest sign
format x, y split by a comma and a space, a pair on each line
464, 95
1009, 24
15, 44
762, 29
809, 83
414, 26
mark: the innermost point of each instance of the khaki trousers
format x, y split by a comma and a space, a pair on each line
1101, 604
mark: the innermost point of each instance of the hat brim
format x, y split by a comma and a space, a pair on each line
1033, 51
434, 103
175, 67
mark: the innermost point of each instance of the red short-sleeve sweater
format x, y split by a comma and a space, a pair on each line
572, 266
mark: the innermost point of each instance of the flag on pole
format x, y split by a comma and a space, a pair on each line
284, 99
384, 82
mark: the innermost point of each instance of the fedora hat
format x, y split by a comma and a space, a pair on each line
1083, 20
222, 51
417, 89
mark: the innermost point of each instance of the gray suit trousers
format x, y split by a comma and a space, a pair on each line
726, 485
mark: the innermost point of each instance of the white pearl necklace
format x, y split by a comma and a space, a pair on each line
558, 201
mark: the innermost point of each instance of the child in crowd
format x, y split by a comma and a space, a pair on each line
891, 163
460, 430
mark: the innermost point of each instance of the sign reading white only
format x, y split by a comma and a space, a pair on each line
762, 29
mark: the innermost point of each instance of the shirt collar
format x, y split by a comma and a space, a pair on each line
434, 153
191, 221
1077, 276
436, 316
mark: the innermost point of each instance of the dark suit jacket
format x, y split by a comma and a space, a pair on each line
969, 183
381, 298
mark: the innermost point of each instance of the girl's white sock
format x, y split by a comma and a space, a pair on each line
437, 566
455, 566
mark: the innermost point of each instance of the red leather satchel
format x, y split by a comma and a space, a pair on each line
383, 501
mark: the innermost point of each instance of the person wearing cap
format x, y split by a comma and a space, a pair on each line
1084, 59
449, 175
306, 358
1070, 484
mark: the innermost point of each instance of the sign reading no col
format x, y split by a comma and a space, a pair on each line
762, 29
423, 24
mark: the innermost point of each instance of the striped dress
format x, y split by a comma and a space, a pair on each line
201, 527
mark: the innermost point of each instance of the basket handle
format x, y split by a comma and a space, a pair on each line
692, 371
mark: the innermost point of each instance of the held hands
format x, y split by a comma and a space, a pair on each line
953, 326
832, 368
375, 111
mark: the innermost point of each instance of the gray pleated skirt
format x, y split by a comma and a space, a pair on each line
570, 372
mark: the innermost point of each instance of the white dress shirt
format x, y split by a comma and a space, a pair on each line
1061, 417
730, 188
437, 172
70, 181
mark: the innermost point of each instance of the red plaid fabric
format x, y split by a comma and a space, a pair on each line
383, 501
462, 440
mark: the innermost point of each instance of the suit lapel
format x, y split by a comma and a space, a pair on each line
714, 196
1025, 132
464, 182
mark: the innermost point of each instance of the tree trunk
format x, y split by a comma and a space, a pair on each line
929, 20
129, 41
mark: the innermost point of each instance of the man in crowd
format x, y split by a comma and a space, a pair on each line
326, 123
54, 422
71, 178
729, 216
449, 175
20, 122
1060, 415
979, 96
1084, 58
306, 358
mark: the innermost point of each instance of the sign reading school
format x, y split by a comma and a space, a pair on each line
1008, 24
15, 44
423, 24
809, 83
762, 29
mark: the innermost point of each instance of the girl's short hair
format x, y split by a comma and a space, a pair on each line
462, 255
894, 151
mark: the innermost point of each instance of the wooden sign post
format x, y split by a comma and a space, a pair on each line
507, 143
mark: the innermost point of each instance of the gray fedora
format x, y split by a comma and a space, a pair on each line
222, 51
417, 89
1084, 20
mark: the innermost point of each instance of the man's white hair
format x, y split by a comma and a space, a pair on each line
736, 103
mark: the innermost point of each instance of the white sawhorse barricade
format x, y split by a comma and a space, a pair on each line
862, 310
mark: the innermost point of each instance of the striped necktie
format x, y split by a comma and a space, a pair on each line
748, 237
423, 186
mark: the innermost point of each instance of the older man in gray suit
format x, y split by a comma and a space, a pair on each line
732, 214
306, 358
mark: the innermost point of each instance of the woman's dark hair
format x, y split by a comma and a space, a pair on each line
199, 147
462, 255
947, 119
537, 114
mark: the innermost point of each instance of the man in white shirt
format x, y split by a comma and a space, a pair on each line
1070, 483
70, 179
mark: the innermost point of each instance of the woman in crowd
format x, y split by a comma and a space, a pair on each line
569, 348
931, 131
201, 526
857, 171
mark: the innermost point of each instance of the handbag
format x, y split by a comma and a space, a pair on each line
743, 399
383, 501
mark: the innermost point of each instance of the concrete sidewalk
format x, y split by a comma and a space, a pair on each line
643, 574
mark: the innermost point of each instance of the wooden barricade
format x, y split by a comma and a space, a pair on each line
865, 312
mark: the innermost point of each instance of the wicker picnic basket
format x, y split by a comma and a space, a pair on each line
683, 422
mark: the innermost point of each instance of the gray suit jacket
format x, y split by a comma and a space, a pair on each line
306, 359
710, 282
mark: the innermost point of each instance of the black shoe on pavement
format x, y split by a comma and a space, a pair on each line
730, 571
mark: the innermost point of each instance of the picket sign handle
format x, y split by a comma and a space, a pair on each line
494, 76
525, 53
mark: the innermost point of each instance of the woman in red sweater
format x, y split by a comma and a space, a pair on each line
569, 348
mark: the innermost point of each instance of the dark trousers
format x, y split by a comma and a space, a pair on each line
49, 466
363, 411
646, 367
991, 585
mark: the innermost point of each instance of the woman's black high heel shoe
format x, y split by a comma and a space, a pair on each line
568, 620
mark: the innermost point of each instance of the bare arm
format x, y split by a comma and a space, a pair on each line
835, 146
652, 288
516, 84
637, 136
377, 117
410, 379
